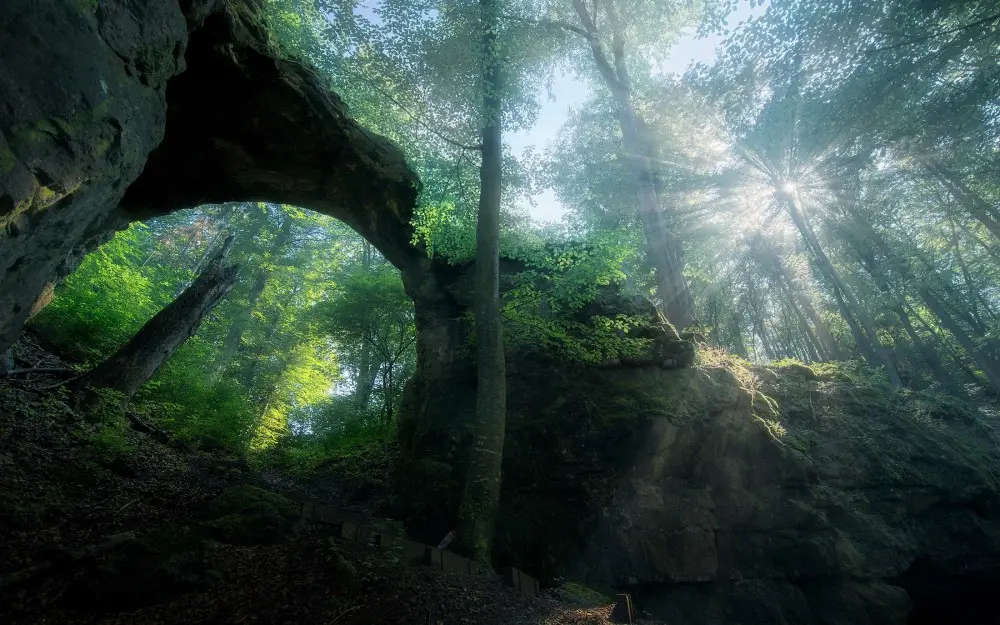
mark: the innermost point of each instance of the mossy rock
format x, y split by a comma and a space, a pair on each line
579, 595
244, 499
247, 515
791, 367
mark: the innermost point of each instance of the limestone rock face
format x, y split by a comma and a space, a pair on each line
722, 494
82, 104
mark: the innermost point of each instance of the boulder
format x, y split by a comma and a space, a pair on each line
762, 498
724, 493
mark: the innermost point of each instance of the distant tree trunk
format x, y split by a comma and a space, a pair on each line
365, 382
813, 344
481, 496
826, 345
809, 340
859, 320
990, 368
928, 354
242, 319
131, 366
736, 334
663, 250
975, 205
367, 366
863, 250
958, 358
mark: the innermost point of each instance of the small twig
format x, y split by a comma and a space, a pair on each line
58, 384
38, 370
346, 612
940, 33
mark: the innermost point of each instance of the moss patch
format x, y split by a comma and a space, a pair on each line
247, 515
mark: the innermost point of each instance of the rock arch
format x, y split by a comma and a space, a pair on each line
122, 110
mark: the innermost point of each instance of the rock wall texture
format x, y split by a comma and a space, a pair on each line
82, 104
725, 494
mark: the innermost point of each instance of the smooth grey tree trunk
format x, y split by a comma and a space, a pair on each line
481, 495
859, 320
990, 368
973, 203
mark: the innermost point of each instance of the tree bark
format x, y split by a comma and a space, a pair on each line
663, 250
239, 324
44, 299
481, 496
861, 324
975, 205
131, 366
990, 368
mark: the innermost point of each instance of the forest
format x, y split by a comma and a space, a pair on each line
815, 192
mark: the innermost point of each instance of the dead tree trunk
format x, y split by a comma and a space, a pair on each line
131, 366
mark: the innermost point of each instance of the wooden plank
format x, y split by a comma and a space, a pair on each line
528, 585
511, 577
454, 563
624, 611
326, 514
349, 530
413, 552
436, 560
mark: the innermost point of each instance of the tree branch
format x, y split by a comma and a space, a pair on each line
557, 24
458, 144
934, 35
38, 370
603, 65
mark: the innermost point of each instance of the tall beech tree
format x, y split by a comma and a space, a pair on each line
481, 498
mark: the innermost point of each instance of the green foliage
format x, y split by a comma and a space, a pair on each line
325, 294
107, 299
545, 305
182, 399
105, 434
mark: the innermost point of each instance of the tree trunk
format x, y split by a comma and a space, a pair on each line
131, 366
481, 496
856, 316
956, 356
991, 369
826, 345
928, 354
663, 250
365, 382
975, 205
239, 324
813, 343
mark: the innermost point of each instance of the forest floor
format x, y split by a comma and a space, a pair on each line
111, 526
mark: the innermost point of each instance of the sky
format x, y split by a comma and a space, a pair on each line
570, 92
